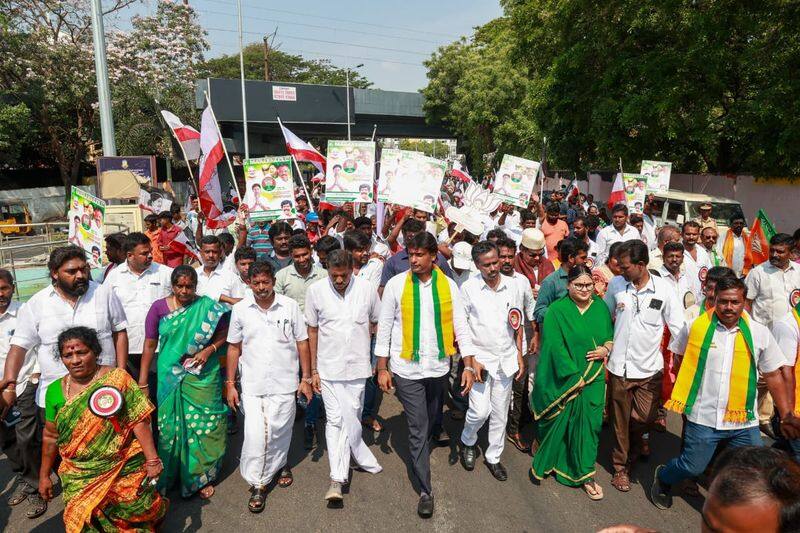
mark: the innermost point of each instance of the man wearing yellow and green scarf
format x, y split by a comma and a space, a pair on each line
421, 318
723, 351
787, 335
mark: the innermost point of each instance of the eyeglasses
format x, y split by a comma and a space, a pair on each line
583, 286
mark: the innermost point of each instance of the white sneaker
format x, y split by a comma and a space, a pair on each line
334, 492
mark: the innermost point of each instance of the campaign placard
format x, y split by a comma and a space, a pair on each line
635, 191
350, 172
270, 188
514, 181
86, 219
657, 174
419, 179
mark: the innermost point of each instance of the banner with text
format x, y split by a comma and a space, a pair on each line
657, 174
86, 219
514, 181
270, 188
350, 172
635, 191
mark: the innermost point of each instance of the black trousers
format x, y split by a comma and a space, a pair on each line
519, 412
422, 401
22, 442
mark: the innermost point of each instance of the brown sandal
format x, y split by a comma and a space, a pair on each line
285, 478
257, 501
621, 481
206, 492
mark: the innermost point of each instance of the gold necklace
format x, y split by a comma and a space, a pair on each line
69, 380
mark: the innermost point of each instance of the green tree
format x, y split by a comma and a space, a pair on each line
431, 148
282, 67
15, 132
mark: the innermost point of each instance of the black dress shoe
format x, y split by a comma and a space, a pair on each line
468, 454
425, 506
439, 437
498, 471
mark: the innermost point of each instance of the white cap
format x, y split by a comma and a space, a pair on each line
462, 255
533, 239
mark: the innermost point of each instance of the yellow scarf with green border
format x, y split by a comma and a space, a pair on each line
410, 314
742, 392
796, 314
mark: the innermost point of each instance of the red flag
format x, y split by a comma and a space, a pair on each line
183, 245
301, 150
187, 136
210, 190
573, 190
617, 192
460, 174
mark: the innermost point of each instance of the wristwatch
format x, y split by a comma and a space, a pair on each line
307, 381
469, 369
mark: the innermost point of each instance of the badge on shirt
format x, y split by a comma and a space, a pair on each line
689, 300
794, 298
656, 304
590, 262
514, 318
702, 274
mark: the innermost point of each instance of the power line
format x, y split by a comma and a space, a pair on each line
385, 49
350, 21
321, 27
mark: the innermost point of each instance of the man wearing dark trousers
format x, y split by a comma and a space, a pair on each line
421, 318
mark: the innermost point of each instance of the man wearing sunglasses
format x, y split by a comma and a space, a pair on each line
641, 306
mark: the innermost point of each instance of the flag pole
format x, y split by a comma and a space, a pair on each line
541, 170
225, 150
303, 183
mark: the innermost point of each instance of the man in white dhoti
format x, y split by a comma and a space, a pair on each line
268, 342
494, 306
339, 311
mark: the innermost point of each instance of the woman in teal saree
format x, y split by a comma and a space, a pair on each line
189, 333
569, 392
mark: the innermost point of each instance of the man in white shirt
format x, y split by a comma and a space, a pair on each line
696, 261
581, 232
771, 289
671, 271
665, 234
787, 334
213, 279
709, 420
137, 283
72, 300
268, 342
365, 267
420, 350
641, 306
21, 440
243, 257
339, 312
618, 231
364, 225
494, 305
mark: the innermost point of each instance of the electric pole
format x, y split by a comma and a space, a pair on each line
266, 58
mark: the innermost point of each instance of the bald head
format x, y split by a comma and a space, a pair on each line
667, 234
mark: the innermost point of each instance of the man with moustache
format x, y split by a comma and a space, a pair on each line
696, 260
339, 312
72, 300
268, 343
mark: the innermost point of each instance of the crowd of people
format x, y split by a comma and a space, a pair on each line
558, 316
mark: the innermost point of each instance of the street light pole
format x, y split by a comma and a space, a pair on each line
347, 97
101, 71
244, 94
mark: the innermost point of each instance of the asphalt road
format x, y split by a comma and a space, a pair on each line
465, 501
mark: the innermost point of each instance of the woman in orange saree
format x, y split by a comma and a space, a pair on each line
98, 421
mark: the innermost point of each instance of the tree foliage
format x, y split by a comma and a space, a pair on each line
282, 67
708, 85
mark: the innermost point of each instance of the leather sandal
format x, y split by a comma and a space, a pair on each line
285, 478
621, 481
257, 500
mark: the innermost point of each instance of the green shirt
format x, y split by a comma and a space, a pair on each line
552, 288
290, 283
53, 400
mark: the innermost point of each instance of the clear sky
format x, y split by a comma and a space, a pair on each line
390, 38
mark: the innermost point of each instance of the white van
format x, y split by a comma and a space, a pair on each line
675, 207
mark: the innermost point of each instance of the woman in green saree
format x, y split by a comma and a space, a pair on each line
98, 420
569, 392
188, 332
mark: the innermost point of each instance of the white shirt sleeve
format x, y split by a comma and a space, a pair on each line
386, 320
601, 247
26, 335
460, 326
311, 313
678, 343
235, 329
771, 357
374, 306
298, 323
752, 284
673, 314
786, 335
116, 313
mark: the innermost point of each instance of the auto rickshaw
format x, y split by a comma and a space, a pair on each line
14, 217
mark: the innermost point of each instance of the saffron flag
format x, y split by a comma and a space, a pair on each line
617, 195
301, 150
210, 190
187, 136
760, 235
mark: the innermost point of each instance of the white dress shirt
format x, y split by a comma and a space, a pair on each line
8, 324
343, 342
609, 235
592, 254
681, 285
371, 273
215, 284
771, 290
712, 397
389, 340
696, 270
270, 362
649, 231
230, 263
787, 335
239, 289
528, 301
639, 319
379, 248
487, 309
137, 293
47, 314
